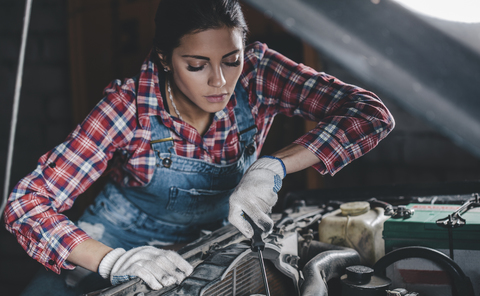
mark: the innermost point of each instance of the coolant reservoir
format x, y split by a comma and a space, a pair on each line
356, 226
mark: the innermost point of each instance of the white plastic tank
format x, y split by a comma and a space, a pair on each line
356, 226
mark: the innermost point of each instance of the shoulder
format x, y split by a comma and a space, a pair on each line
260, 58
120, 96
114, 117
254, 53
125, 89
253, 56
255, 50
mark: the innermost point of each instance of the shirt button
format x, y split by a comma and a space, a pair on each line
51, 262
52, 165
336, 163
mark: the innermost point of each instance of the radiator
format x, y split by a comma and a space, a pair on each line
224, 264
245, 279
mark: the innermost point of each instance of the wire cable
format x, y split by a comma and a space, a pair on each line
16, 102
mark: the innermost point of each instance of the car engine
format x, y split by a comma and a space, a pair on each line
296, 262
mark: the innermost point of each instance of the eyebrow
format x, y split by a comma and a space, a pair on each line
208, 59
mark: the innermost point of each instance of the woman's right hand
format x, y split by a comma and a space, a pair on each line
157, 267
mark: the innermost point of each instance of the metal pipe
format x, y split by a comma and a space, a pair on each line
16, 102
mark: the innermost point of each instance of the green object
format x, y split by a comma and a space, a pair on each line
421, 229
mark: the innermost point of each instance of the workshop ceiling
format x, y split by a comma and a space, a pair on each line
429, 66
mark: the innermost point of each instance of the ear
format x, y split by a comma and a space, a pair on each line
163, 61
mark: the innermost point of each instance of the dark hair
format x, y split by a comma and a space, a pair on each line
177, 18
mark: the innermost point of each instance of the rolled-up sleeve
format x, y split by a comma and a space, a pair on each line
355, 122
34, 209
350, 120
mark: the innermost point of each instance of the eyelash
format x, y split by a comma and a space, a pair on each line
196, 69
234, 64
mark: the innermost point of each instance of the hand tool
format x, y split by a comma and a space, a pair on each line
455, 219
258, 245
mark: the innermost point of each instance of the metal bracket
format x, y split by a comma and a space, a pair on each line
455, 219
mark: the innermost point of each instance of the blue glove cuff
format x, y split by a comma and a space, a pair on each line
283, 165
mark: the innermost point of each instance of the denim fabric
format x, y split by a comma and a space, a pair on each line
183, 198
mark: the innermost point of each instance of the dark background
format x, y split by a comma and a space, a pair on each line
53, 101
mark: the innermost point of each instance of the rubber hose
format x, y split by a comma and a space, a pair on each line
311, 249
461, 283
325, 266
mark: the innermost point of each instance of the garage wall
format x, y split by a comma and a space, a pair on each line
45, 114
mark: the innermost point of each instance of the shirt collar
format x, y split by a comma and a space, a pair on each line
149, 98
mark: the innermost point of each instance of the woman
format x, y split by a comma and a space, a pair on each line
179, 139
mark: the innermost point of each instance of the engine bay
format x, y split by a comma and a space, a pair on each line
355, 253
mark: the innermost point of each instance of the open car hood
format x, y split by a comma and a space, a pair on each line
428, 66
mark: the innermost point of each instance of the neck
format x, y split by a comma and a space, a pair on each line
169, 91
186, 110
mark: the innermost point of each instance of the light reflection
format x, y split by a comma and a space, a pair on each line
466, 11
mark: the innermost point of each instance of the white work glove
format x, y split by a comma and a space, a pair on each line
158, 268
256, 194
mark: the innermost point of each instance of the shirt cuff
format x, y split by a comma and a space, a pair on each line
60, 244
332, 155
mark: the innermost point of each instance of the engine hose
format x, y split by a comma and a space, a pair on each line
461, 283
325, 266
388, 208
311, 248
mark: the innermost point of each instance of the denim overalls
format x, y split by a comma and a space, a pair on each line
185, 195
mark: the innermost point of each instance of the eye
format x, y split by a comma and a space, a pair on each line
233, 64
195, 69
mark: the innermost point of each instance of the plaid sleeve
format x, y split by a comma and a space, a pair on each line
33, 212
350, 120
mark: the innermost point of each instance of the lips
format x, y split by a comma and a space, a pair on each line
217, 98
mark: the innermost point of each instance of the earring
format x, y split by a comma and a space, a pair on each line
165, 69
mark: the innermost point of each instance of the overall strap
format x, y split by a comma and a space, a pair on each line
161, 140
247, 129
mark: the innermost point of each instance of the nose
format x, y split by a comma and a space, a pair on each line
217, 79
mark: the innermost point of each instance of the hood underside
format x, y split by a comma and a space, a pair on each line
428, 66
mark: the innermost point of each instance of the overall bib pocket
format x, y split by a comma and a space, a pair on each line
208, 203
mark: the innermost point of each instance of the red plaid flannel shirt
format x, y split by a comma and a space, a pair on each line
351, 121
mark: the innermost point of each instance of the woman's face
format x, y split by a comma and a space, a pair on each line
206, 67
